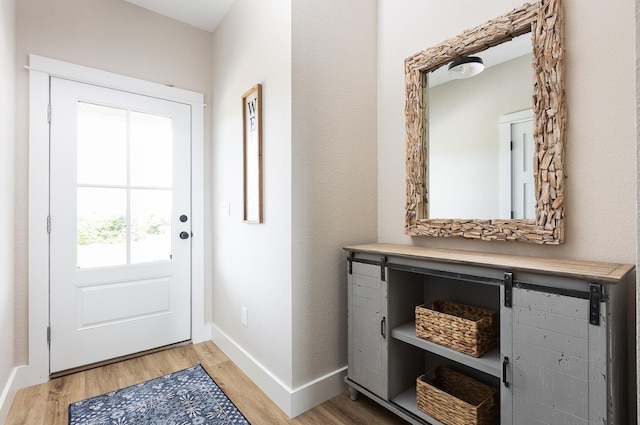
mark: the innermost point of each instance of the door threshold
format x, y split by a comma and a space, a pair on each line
118, 359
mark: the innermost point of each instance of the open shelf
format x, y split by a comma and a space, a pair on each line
489, 363
401, 405
407, 400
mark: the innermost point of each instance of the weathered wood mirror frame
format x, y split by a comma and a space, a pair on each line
544, 20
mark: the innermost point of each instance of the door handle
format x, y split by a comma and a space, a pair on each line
184, 235
505, 362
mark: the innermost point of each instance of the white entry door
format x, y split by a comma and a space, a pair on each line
120, 247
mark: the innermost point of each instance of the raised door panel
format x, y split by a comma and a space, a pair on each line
367, 348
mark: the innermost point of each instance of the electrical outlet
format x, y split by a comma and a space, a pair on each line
245, 316
226, 209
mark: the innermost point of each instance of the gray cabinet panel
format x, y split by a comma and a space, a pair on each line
527, 411
551, 345
506, 353
559, 323
601, 354
549, 340
552, 360
367, 348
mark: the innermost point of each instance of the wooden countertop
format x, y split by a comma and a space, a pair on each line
592, 271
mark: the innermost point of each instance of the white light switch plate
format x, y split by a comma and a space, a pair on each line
226, 209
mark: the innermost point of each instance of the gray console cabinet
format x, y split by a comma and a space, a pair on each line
562, 354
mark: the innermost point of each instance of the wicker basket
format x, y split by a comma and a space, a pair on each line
470, 330
455, 399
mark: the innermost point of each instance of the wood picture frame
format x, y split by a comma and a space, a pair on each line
252, 154
544, 20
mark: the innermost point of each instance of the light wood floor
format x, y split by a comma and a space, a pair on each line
48, 403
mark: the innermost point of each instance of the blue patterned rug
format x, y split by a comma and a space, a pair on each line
186, 397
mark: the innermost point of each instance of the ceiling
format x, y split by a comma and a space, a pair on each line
205, 14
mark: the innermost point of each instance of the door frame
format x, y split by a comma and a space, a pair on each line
41, 69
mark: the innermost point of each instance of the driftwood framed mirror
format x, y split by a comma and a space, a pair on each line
544, 21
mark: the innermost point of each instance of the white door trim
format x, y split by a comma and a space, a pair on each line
41, 69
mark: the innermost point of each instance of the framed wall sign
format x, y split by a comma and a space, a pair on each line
252, 154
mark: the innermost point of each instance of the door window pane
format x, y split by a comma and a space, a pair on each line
102, 227
150, 225
151, 150
125, 176
102, 144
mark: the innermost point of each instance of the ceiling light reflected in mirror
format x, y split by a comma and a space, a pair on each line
465, 67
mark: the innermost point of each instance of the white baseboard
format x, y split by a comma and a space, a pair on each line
317, 391
15, 382
293, 402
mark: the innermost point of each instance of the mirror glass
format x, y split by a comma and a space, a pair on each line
480, 138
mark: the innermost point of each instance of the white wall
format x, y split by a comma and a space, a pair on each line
601, 163
334, 175
112, 36
7, 191
252, 262
316, 62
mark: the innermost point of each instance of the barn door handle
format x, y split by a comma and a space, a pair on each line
383, 326
505, 362
184, 235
